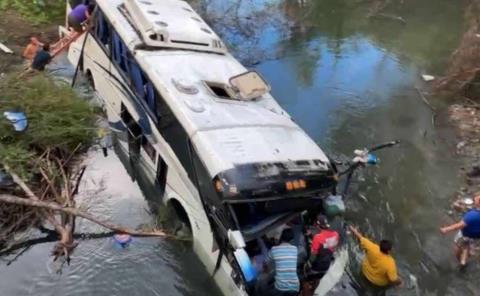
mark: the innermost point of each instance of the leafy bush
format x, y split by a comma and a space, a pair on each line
57, 120
38, 11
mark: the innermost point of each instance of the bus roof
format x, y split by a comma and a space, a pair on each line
195, 84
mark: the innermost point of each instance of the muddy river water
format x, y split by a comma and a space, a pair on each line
350, 82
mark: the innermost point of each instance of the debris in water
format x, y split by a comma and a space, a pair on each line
5, 49
428, 77
363, 197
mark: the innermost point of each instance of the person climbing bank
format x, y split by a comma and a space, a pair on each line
468, 231
378, 267
42, 58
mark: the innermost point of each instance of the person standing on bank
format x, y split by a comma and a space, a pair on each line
284, 257
378, 266
468, 231
79, 15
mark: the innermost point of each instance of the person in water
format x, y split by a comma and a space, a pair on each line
79, 15
42, 58
468, 231
379, 270
283, 258
323, 246
122, 239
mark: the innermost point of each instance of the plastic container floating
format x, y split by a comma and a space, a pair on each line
122, 239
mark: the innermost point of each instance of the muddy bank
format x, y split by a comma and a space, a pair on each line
466, 119
15, 32
461, 81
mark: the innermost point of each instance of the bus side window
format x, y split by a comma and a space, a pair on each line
136, 77
116, 48
150, 95
119, 51
102, 29
124, 57
142, 86
148, 148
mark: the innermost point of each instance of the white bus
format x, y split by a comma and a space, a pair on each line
212, 140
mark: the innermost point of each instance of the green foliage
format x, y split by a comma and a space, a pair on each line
57, 120
38, 11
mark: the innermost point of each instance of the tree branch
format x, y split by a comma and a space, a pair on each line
11, 199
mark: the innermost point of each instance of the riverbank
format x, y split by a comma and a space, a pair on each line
15, 33
461, 79
466, 118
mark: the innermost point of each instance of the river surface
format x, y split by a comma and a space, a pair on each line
350, 82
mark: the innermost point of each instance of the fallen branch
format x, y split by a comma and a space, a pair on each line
389, 17
11, 199
472, 102
424, 99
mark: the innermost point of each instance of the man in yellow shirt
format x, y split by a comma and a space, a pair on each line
378, 266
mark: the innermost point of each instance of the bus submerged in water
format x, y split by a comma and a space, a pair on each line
223, 154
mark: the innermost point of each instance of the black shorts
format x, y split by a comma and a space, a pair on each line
368, 288
75, 24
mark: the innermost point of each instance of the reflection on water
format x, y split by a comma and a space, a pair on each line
349, 82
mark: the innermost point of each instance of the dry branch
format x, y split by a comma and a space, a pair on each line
11, 199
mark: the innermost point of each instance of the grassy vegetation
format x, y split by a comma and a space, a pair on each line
58, 121
36, 11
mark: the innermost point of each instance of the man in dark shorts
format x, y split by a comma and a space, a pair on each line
42, 58
79, 15
468, 232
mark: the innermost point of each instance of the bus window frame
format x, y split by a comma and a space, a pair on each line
166, 121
